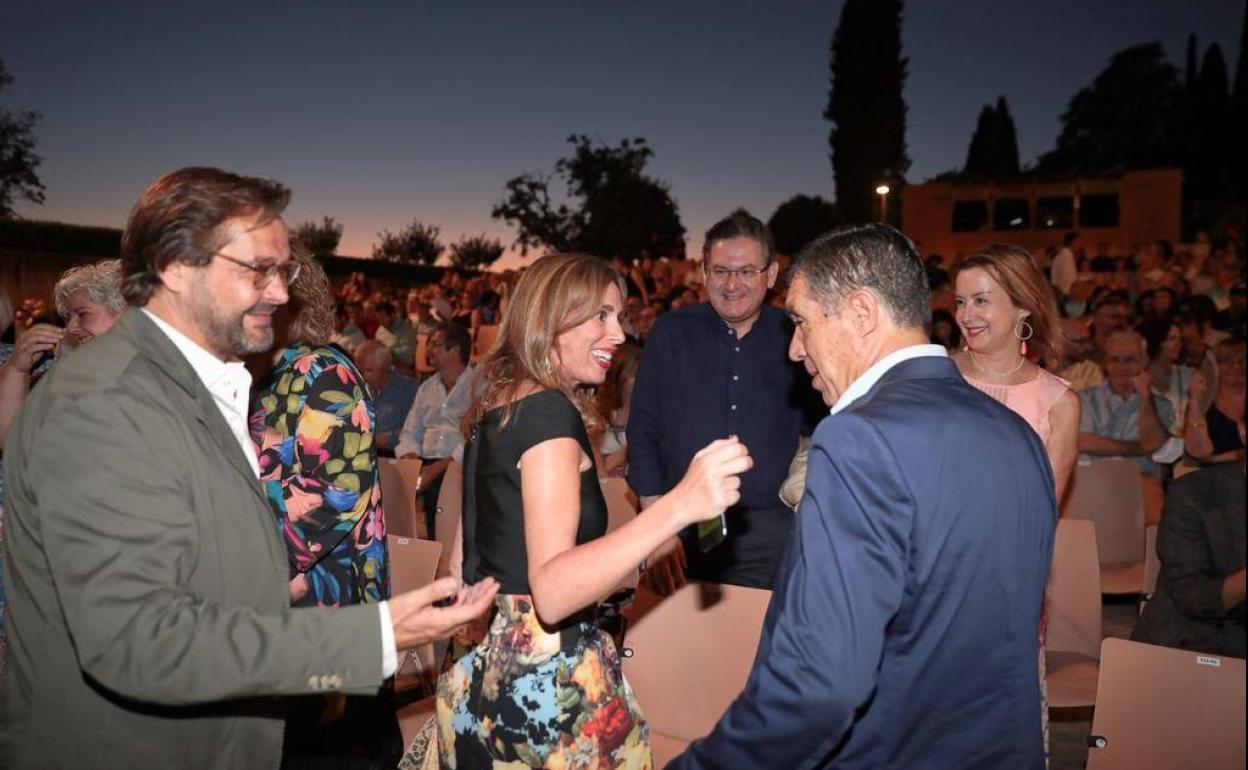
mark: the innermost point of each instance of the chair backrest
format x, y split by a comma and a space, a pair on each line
1109, 493
398, 495
413, 562
486, 337
1160, 708
1074, 609
620, 511
1152, 563
688, 656
450, 505
421, 364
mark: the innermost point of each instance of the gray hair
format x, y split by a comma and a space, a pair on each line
874, 257
100, 280
1134, 337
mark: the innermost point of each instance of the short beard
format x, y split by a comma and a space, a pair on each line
227, 336
241, 345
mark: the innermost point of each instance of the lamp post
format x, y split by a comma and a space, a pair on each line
882, 191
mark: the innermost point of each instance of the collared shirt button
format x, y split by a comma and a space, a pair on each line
735, 378
734, 407
737, 349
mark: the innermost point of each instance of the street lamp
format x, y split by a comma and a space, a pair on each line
882, 191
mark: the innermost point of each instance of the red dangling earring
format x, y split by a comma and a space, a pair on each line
1019, 335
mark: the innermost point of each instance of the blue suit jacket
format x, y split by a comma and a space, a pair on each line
902, 633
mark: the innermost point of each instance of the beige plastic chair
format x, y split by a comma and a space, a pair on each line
1109, 493
1159, 708
486, 337
620, 511
413, 717
1073, 641
450, 506
413, 563
1152, 564
688, 656
399, 481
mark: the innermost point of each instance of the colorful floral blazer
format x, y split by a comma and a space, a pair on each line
312, 422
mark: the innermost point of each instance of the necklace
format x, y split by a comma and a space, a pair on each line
1021, 360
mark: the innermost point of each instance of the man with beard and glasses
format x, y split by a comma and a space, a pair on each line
149, 614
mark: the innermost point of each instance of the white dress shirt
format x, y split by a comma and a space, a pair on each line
229, 382
859, 387
432, 429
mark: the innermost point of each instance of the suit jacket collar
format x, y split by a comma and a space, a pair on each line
922, 368
866, 382
155, 345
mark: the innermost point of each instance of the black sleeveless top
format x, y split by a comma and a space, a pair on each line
1223, 432
494, 544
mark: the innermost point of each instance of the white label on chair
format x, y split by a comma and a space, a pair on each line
1202, 660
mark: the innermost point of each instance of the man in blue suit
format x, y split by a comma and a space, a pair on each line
902, 631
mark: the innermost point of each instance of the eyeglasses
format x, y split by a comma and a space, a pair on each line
266, 270
745, 274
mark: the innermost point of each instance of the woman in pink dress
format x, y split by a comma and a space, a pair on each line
1009, 320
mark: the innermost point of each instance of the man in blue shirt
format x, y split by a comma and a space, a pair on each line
392, 391
716, 370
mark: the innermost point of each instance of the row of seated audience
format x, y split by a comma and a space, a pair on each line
1153, 346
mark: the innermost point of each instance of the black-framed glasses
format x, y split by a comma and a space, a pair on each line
266, 270
722, 274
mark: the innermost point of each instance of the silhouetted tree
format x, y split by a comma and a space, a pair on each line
19, 179
1239, 122
477, 251
800, 220
611, 206
416, 244
1123, 119
321, 239
1209, 172
993, 153
865, 106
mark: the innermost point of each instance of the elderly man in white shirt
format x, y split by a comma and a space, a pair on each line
432, 428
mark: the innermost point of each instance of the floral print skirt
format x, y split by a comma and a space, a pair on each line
529, 696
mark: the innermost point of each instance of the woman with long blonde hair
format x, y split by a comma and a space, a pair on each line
544, 687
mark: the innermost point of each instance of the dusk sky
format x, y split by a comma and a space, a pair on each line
377, 112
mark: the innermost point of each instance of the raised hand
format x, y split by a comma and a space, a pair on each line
417, 621
33, 343
712, 483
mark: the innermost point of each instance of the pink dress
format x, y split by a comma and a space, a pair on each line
1032, 401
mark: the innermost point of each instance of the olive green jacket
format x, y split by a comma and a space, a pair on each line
148, 614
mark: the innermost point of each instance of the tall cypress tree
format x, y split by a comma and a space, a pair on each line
993, 153
1005, 142
977, 154
1239, 123
1208, 175
865, 106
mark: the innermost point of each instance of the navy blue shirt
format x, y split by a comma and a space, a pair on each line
698, 381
